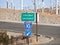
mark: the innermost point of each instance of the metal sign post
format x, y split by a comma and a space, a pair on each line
27, 40
36, 28
36, 20
28, 32
28, 18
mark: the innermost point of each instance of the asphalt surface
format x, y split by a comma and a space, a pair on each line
53, 31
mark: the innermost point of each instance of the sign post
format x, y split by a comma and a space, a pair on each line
28, 18
28, 32
36, 28
37, 21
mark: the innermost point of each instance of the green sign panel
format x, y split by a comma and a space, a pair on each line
28, 16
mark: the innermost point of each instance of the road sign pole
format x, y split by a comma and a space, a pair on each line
28, 18
28, 32
36, 20
27, 40
36, 28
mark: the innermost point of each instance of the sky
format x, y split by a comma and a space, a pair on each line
28, 4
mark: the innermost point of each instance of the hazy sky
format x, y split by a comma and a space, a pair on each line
28, 4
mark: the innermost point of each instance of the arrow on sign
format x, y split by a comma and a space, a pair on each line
28, 32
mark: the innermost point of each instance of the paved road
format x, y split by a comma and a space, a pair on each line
53, 31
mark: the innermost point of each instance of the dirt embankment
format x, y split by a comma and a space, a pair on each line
49, 19
14, 15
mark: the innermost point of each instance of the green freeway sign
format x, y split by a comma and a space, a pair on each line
28, 16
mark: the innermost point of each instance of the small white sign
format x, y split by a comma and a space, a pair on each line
38, 16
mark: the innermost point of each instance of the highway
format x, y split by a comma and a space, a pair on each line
53, 31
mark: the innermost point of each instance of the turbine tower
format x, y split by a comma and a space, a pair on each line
12, 4
42, 6
57, 7
34, 5
22, 4
7, 3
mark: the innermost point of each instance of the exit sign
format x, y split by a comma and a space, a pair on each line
28, 16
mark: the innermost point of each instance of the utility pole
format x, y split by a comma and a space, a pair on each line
57, 7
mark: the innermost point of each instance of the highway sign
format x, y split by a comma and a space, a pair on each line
28, 16
28, 25
28, 32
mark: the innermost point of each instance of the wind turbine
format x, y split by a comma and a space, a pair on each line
57, 7
42, 6
22, 4
7, 3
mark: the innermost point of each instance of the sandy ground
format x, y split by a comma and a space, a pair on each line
42, 39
